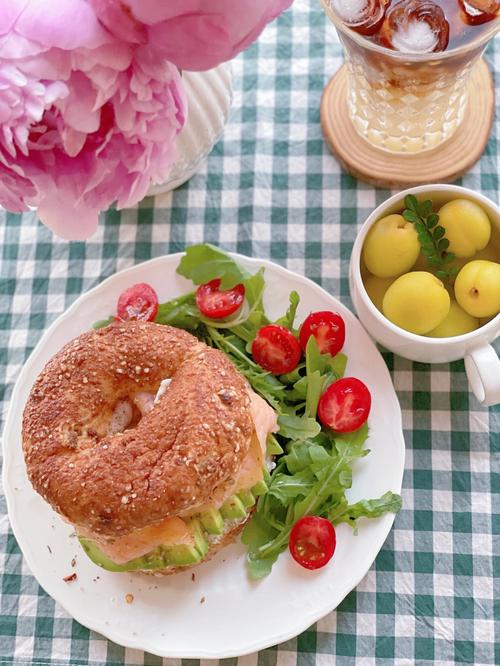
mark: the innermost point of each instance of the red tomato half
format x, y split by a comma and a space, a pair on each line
312, 542
327, 327
217, 304
276, 349
345, 405
138, 302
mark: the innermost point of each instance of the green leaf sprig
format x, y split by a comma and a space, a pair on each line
431, 236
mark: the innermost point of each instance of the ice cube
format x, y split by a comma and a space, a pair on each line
480, 11
351, 11
415, 37
414, 26
364, 16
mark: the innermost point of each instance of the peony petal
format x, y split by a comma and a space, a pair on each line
14, 46
52, 65
113, 56
196, 34
65, 219
73, 141
10, 11
64, 24
78, 108
125, 27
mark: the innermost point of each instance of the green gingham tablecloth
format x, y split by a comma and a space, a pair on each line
271, 189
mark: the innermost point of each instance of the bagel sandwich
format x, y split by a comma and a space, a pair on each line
149, 442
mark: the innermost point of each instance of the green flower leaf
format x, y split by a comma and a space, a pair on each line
425, 208
431, 235
432, 220
410, 216
411, 202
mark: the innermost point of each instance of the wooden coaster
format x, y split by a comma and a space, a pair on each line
447, 162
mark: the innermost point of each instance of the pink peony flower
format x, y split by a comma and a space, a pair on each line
91, 98
85, 119
193, 34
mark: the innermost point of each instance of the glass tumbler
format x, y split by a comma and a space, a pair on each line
405, 102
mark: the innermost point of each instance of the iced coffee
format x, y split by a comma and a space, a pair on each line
409, 63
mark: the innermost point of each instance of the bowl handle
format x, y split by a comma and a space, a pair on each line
482, 366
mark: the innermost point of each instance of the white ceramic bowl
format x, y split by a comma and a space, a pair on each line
481, 361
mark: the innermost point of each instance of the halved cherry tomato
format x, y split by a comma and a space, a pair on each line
345, 405
138, 302
327, 327
217, 304
312, 542
276, 349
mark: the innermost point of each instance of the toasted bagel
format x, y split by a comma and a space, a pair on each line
171, 461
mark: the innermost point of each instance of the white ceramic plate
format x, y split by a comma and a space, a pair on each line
221, 613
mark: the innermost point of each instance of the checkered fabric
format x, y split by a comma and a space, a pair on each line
271, 189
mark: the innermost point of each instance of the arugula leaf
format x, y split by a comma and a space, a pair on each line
273, 447
337, 364
260, 567
389, 502
286, 487
204, 262
299, 390
298, 427
103, 322
328, 482
321, 371
256, 533
295, 375
180, 312
315, 383
315, 360
297, 457
353, 440
289, 318
323, 363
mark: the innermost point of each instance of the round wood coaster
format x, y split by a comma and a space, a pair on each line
448, 161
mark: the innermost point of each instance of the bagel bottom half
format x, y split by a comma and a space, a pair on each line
150, 443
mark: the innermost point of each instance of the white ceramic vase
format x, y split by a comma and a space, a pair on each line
209, 96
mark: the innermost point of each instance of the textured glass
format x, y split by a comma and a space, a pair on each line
405, 103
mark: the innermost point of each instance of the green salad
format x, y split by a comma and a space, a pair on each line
293, 370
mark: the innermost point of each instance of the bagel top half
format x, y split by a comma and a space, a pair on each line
188, 450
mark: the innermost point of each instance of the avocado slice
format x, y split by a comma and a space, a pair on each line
260, 488
201, 544
152, 560
247, 498
158, 558
212, 521
181, 555
233, 508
